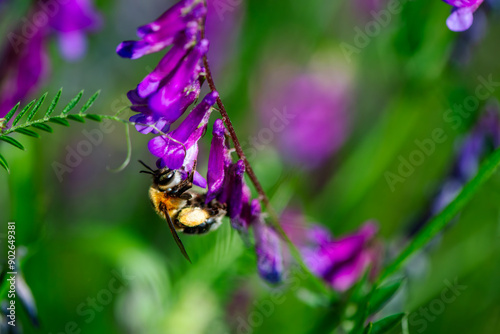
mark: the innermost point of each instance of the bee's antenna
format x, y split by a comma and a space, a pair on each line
146, 172
142, 163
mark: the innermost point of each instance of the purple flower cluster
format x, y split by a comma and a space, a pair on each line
165, 94
461, 16
339, 262
25, 63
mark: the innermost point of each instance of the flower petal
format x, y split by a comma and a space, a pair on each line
215, 173
268, 251
183, 77
460, 19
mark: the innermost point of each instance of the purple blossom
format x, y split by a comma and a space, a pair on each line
182, 43
308, 115
72, 20
267, 247
165, 94
216, 161
159, 34
145, 121
173, 148
461, 16
339, 262
177, 90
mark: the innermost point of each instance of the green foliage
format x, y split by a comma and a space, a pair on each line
40, 124
440, 221
382, 295
384, 325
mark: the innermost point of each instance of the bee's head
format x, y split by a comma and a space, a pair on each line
166, 178
163, 178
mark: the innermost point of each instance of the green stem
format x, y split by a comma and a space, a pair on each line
440, 221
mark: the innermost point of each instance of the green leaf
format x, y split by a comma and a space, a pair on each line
77, 118
36, 107
386, 324
72, 103
4, 163
12, 141
94, 117
11, 112
59, 120
368, 329
53, 104
90, 102
441, 220
22, 112
382, 295
44, 127
28, 132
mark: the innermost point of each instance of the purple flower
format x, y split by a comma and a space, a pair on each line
461, 16
161, 33
308, 117
145, 121
71, 20
177, 90
173, 148
167, 92
267, 247
216, 161
339, 262
169, 62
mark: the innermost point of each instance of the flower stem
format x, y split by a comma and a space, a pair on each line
232, 133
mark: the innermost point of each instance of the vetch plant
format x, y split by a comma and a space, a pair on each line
161, 99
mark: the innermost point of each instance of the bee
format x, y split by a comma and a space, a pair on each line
184, 209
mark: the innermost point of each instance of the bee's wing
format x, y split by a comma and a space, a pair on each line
176, 237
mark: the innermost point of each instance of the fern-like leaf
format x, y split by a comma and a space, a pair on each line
22, 112
31, 122
43, 127
4, 163
90, 102
76, 118
72, 103
36, 107
12, 141
11, 112
28, 132
53, 104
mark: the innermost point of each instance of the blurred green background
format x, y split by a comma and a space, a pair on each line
101, 261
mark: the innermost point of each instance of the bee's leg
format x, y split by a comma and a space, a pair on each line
186, 184
182, 187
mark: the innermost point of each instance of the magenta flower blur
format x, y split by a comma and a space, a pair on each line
340, 262
72, 20
462, 14
21, 72
308, 117
267, 247
25, 62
